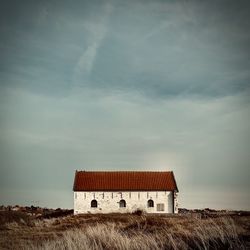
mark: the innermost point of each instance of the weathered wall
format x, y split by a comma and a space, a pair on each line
108, 202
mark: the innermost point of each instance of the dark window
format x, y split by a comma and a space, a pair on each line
160, 207
93, 203
122, 203
150, 203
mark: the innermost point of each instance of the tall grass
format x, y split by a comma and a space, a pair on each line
147, 233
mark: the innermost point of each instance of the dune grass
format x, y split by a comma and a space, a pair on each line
127, 232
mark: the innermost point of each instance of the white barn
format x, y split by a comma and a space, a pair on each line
125, 192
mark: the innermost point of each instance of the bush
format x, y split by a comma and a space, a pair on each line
138, 212
15, 216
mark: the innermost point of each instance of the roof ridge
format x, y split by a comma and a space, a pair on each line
126, 171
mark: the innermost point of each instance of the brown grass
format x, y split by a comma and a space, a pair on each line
124, 231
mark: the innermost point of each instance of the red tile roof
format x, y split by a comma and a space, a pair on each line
124, 181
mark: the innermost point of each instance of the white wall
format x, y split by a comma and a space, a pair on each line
108, 202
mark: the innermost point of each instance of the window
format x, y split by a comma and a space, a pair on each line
122, 203
150, 203
93, 203
160, 207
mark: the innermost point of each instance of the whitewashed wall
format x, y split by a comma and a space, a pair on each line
108, 202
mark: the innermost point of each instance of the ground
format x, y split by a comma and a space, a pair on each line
59, 229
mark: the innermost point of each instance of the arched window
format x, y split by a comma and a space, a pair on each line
93, 203
150, 203
122, 203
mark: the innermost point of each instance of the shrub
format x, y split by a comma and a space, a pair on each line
138, 212
18, 217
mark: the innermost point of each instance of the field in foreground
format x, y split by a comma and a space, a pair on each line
124, 231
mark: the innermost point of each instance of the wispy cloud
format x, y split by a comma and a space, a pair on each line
98, 30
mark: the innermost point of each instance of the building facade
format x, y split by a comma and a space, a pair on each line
125, 192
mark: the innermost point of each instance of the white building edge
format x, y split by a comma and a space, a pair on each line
125, 192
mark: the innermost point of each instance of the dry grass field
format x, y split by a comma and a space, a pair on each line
19, 230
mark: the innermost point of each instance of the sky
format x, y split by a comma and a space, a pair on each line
125, 86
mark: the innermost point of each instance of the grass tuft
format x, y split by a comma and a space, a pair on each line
124, 231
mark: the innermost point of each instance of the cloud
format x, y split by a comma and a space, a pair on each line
166, 52
130, 131
160, 49
98, 30
86, 61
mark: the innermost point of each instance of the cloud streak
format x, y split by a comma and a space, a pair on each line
98, 30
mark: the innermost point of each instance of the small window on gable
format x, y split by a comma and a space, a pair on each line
150, 203
93, 203
122, 203
160, 207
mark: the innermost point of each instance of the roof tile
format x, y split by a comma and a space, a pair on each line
124, 181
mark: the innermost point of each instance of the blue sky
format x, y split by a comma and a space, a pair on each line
125, 85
